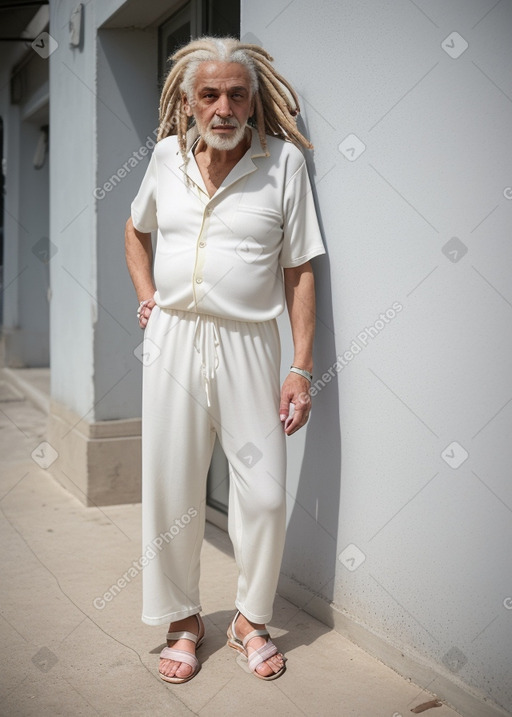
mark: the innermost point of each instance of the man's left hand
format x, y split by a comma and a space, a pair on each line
295, 390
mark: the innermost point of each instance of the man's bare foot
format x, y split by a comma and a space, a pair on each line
243, 628
173, 668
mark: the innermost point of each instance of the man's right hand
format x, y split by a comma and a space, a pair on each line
145, 313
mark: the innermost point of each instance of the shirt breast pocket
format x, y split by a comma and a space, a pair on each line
261, 223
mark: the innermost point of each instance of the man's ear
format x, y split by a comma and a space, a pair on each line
186, 105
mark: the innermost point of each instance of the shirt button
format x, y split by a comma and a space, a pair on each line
202, 244
199, 280
208, 211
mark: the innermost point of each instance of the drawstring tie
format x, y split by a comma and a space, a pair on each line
206, 340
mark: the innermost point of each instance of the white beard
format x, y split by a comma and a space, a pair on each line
220, 142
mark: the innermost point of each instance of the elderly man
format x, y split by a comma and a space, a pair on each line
237, 228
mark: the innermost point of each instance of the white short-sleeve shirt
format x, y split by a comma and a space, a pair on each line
224, 255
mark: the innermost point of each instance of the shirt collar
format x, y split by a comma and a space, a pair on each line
256, 148
243, 167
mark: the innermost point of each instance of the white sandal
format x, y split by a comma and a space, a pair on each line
170, 653
262, 654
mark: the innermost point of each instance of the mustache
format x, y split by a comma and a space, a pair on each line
219, 122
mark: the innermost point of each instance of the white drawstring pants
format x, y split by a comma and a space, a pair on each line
206, 376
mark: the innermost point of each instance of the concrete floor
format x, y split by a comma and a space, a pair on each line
62, 655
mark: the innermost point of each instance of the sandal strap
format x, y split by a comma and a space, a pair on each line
169, 653
184, 635
233, 629
262, 654
255, 633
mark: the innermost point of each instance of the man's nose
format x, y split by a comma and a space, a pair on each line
223, 107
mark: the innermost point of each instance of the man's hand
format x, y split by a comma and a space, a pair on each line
295, 390
145, 313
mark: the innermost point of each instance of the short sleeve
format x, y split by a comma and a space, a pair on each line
302, 239
143, 209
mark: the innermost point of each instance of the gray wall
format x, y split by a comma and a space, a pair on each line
12, 230
386, 519
104, 107
25, 305
72, 214
127, 82
34, 251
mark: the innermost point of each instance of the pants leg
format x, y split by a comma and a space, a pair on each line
204, 375
177, 441
247, 388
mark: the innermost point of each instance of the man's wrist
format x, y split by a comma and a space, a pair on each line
302, 372
145, 295
305, 363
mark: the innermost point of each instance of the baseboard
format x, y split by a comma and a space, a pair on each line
445, 686
217, 518
98, 462
18, 378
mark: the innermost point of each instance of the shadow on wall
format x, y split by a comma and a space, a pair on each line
311, 545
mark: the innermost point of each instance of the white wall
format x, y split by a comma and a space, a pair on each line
436, 540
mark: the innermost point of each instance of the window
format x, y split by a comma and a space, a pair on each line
196, 18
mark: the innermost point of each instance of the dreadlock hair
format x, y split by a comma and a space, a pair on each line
276, 103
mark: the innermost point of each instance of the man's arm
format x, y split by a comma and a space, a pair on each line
300, 300
139, 259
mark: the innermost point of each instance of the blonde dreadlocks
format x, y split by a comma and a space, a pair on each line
276, 102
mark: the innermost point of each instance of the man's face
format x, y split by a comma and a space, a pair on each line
222, 103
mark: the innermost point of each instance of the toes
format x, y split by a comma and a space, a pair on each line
276, 665
270, 666
171, 668
265, 670
168, 667
184, 670
277, 662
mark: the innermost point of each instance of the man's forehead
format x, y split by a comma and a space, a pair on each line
212, 74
